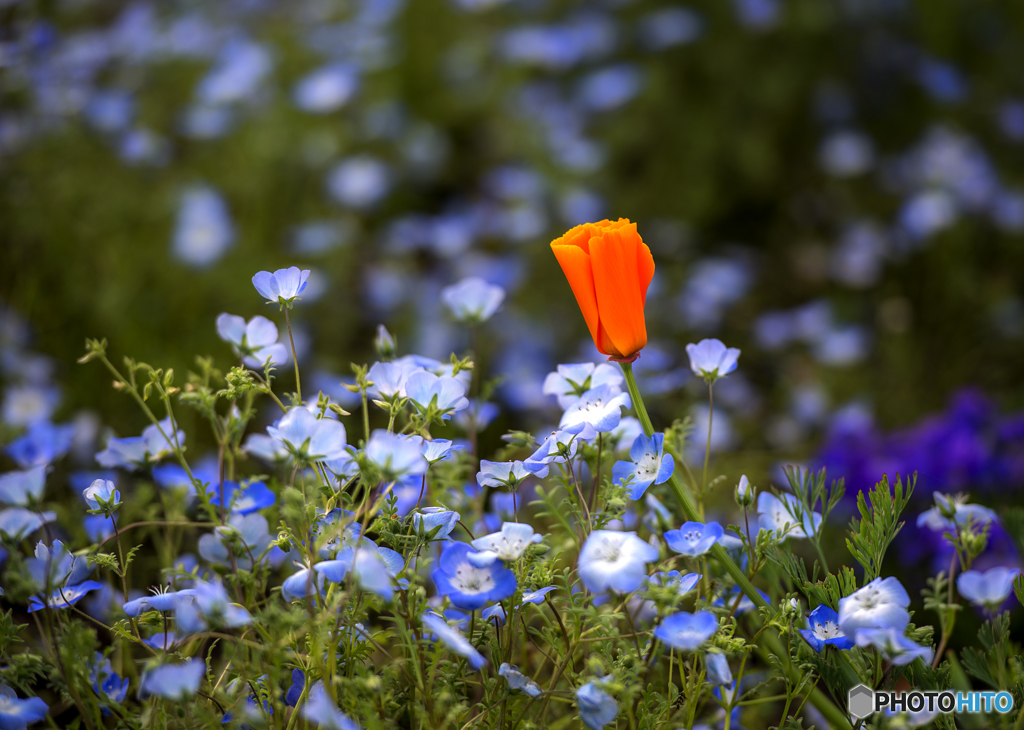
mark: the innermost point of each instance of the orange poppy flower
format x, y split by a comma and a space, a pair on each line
609, 268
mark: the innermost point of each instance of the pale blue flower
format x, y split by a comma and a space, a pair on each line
504, 473
309, 438
693, 538
597, 411
372, 572
472, 300
439, 450
453, 639
266, 448
64, 597
444, 394
42, 444
495, 612
255, 342
823, 629
281, 287
204, 231
649, 464
395, 455
359, 182
325, 714
467, 585
439, 518
894, 646
102, 494
29, 403
569, 382
683, 583
389, 379
241, 68
22, 488
18, 522
174, 681
687, 631
952, 510
160, 600
614, 561
780, 515
551, 452
51, 565
717, 670
989, 589
881, 604
597, 707
157, 441
519, 682
209, 607
711, 359
510, 543
536, 597
251, 530
327, 89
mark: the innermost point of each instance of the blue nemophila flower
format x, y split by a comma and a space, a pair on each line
467, 585
893, 645
452, 638
22, 488
682, 582
744, 492
505, 473
17, 713
102, 495
711, 359
248, 535
785, 516
360, 182
438, 450
64, 597
472, 300
881, 604
439, 518
716, 666
322, 710
42, 444
255, 342
687, 631
156, 442
517, 681
736, 597
441, 395
823, 628
510, 543
203, 231
569, 382
372, 572
160, 600
265, 448
51, 565
597, 411
305, 582
243, 500
536, 597
614, 560
495, 612
209, 606
291, 697
164, 641
648, 464
557, 448
105, 682
952, 511
174, 681
597, 707
989, 589
283, 286
395, 455
309, 438
17, 523
29, 403
693, 538
389, 379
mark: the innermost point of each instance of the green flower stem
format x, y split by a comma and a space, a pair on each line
298, 382
835, 716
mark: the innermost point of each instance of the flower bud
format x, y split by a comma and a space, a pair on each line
384, 343
744, 492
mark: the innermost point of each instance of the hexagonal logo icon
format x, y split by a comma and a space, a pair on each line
861, 701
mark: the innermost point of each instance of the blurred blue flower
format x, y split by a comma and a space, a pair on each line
205, 121
210, 607
649, 464
51, 565
717, 668
610, 88
472, 300
597, 411
823, 629
894, 646
942, 81
255, 342
29, 403
102, 495
141, 146
683, 583
111, 110
63, 597
249, 531
988, 589
453, 639
156, 442
238, 73
395, 455
243, 500
322, 710
159, 600
757, 14
615, 561
430, 518
281, 287
43, 443
327, 89
881, 604
16, 713
22, 488
372, 572
693, 538
711, 359
359, 182
204, 231
468, 586
597, 707
173, 681
18, 523
687, 631
519, 682
504, 473
444, 395
669, 27
786, 516
846, 153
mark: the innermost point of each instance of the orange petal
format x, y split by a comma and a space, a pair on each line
616, 263
575, 264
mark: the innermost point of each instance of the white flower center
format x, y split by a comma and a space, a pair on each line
827, 630
648, 465
472, 580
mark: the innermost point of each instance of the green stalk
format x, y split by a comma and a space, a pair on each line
835, 716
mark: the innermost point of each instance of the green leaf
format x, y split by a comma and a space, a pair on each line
871, 535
